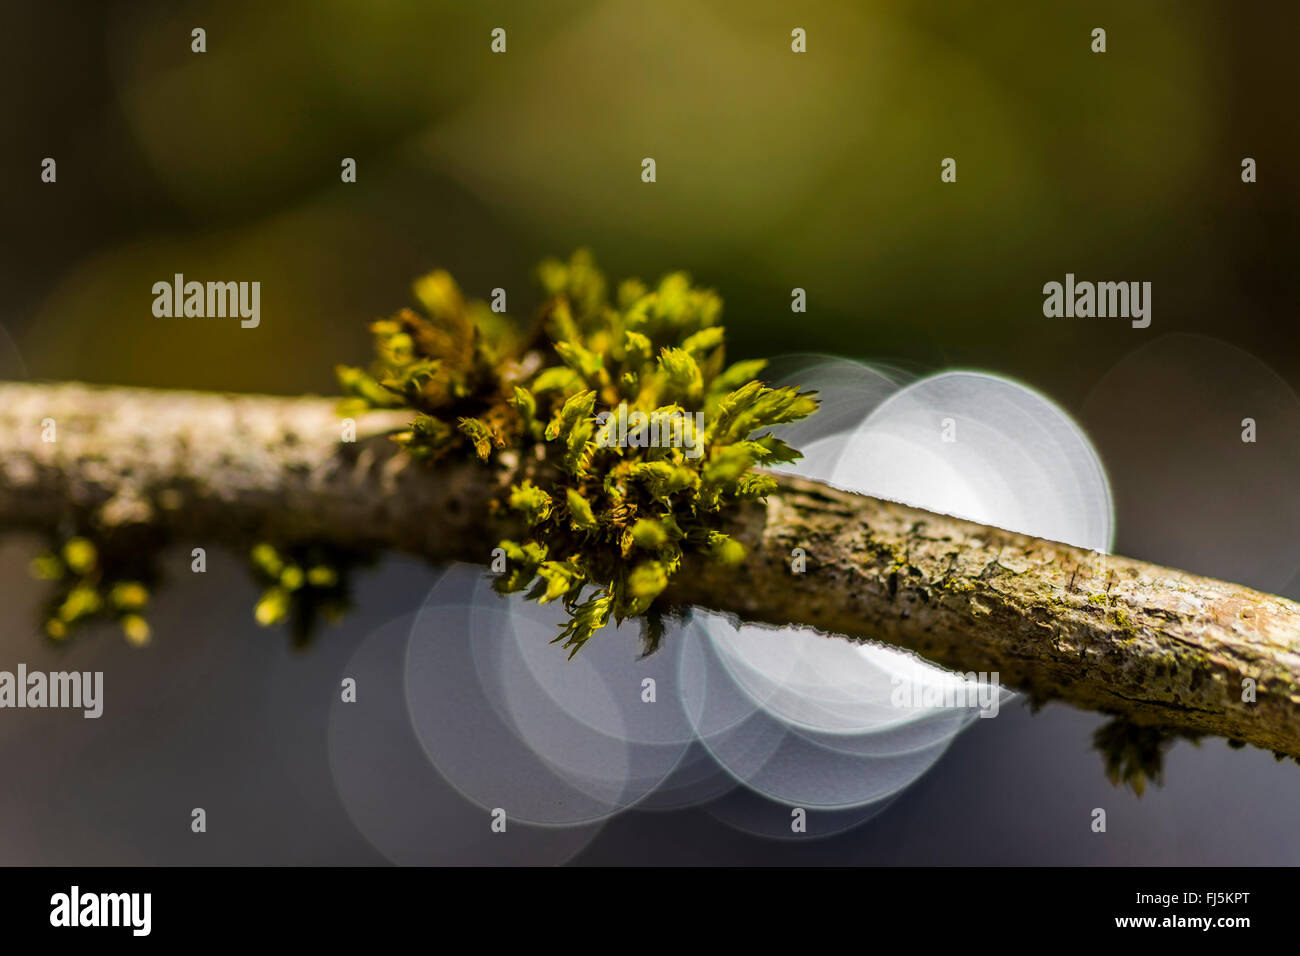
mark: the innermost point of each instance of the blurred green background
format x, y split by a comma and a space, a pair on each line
775, 170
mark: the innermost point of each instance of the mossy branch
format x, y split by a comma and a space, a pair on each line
606, 456
1160, 648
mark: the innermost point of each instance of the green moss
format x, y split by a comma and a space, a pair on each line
302, 585
616, 520
455, 367
98, 576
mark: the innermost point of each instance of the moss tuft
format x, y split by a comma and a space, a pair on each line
648, 435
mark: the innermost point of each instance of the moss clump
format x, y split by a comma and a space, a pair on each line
586, 392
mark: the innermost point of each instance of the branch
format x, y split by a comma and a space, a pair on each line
1156, 647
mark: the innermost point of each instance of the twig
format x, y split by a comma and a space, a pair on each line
1156, 647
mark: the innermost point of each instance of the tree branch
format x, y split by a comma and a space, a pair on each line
1157, 647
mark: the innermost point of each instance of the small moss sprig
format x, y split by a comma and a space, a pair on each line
1134, 755
614, 519
95, 582
302, 585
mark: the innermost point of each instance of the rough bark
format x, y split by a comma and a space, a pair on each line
1155, 646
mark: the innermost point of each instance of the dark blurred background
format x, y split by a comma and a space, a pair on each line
775, 170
